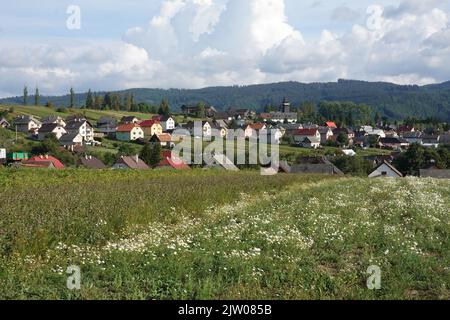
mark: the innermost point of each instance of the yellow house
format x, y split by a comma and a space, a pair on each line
151, 127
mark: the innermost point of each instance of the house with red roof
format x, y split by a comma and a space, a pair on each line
307, 138
253, 129
129, 132
330, 124
171, 161
43, 161
164, 139
151, 127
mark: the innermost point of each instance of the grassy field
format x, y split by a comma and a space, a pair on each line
218, 235
92, 115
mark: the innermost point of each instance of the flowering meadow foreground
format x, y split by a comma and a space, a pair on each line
220, 235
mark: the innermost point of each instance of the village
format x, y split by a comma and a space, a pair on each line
77, 134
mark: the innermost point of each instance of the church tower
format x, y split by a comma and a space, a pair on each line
286, 106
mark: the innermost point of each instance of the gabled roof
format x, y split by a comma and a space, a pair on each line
48, 127
38, 164
92, 162
76, 124
390, 166
68, 139
3, 120
127, 127
25, 120
56, 163
170, 160
330, 124
308, 168
133, 162
129, 119
149, 123
305, 132
51, 118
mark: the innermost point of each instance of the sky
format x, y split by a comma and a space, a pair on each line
113, 45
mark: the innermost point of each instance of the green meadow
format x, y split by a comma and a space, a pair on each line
219, 235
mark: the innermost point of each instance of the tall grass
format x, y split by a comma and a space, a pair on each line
216, 235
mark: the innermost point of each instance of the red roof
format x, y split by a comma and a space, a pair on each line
56, 163
170, 160
149, 123
257, 126
330, 124
126, 127
305, 132
165, 137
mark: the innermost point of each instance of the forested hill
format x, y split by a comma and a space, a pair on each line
394, 101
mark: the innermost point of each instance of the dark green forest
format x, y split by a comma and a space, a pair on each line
387, 99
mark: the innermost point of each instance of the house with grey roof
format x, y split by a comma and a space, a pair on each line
4, 124
54, 119
71, 140
91, 162
51, 128
26, 123
83, 127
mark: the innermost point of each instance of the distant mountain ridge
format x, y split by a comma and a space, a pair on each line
392, 100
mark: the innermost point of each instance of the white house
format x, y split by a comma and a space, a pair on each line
83, 127
129, 132
307, 138
51, 128
26, 123
71, 140
325, 134
204, 125
168, 123
385, 169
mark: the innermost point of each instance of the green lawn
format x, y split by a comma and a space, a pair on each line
219, 235
93, 115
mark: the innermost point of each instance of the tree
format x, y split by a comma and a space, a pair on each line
37, 97
412, 160
72, 98
98, 102
89, 100
201, 110
342, 139
128, 102
353, 165
49, 105
25, 96
307, 112
151, 154
164, 108
107, 101
115, 102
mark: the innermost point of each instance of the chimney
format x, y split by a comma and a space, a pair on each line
136, 158
46, 156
